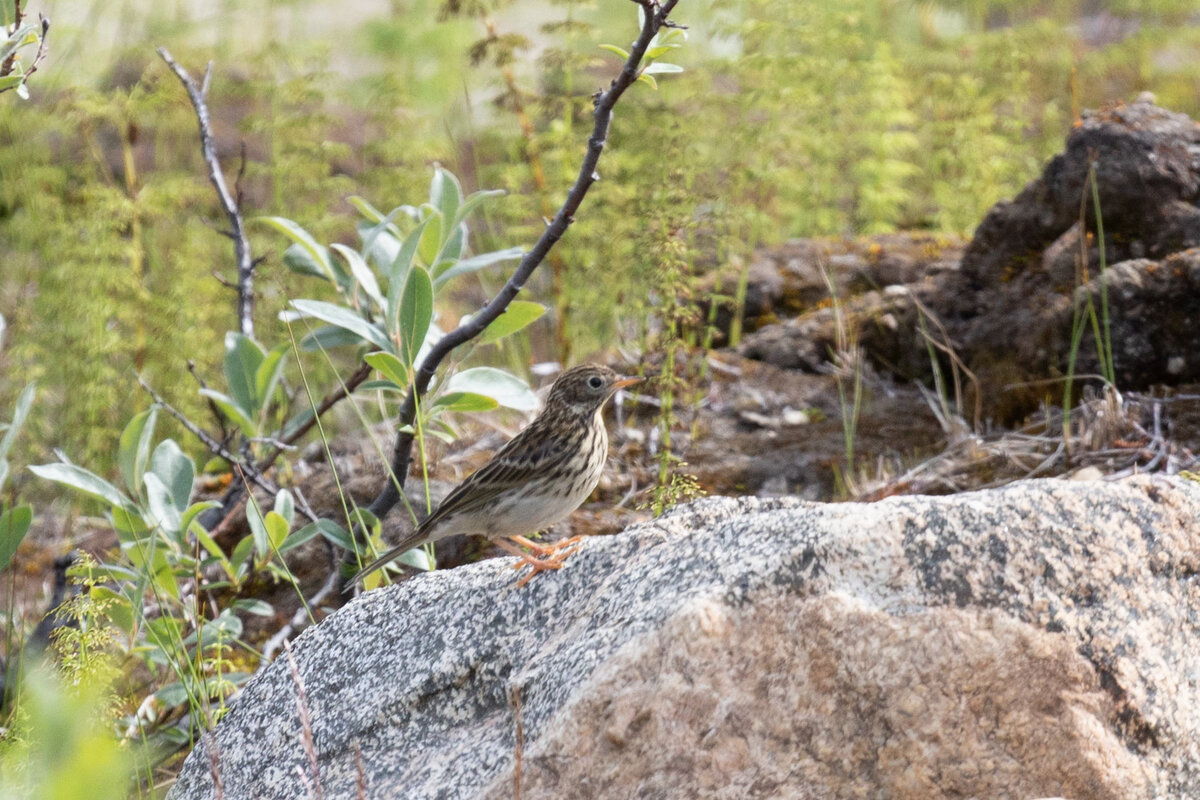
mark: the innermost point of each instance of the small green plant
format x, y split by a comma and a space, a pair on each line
676, 342
1084, 307
846, 364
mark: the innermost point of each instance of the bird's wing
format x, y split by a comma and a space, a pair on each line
528, 454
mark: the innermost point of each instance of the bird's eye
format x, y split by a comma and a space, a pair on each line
595, 381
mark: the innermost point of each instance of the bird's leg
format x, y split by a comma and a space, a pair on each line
546, 549
552, 557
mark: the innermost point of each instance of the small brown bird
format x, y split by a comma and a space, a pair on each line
543, 474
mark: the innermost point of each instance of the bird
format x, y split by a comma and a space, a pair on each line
537, 479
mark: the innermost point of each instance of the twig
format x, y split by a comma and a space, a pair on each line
247, 471
310, 747
7, 67
360, 775
241, 243
344, 390
655, 18
210, 747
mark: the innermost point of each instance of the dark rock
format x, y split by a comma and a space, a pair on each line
1147, 163
1006, 320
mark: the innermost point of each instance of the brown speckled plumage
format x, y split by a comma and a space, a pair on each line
543, 474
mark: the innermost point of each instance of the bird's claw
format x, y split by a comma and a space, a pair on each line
551, 558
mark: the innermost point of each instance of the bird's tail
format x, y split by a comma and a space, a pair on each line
408, 543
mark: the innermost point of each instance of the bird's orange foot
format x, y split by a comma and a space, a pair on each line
551, 557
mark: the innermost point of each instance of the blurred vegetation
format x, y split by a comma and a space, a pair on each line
792, 119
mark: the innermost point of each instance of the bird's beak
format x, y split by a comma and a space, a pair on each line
623, 382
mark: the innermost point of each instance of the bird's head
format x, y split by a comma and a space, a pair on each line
585, 389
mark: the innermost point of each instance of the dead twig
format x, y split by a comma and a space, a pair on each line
198, 94
310, 747
248, 472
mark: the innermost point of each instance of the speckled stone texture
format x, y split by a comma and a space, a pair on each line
1039, 640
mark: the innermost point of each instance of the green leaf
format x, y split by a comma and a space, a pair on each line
416, 313
452, 250
431, 238
644, 78
366, 208
334, 533
519, 314
361, 272
258, 529
266, 377
416, 558
14, 524
159, 501
232, 411
464, 401
383, 386
318, 254
327, 337
9, 81
80, 479
243, 551
193, 511
20, 413
285, 506
252, 605
379, 245
391, 367
134, 450
26, 34
300, 261
209, 544
445, 193
243, 357
300, 537
505, 388
612, 48
398, 274
659, 67
172, 695
176, 470
277, 529
476, 263
474, 201
343, 318
118, 611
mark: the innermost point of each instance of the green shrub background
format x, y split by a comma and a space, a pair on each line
791, 119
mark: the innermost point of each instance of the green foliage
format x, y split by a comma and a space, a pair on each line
62, 747
21, 41
14, 520
790, 120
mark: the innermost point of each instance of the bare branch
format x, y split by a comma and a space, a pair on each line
241, 243
249, 472
656, 18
